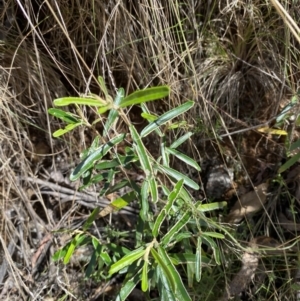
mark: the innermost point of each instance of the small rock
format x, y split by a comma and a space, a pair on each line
219, 181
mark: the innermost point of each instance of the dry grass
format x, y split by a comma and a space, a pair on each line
236, 59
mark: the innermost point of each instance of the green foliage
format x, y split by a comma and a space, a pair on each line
292, 154
156, 258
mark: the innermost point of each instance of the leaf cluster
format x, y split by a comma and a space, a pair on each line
168, 240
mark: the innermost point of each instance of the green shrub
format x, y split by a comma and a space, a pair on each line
155, 261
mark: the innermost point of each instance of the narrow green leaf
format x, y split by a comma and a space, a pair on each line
67, 129
141, 151
184, 158
215, 235
165, 290
95, 156
183, 258
118, 203
64, 116
103, 87
104, 109
165, 155
153, 189
117, 250
166, 117
113, 113
128, 287
143, 96
174, 195
61, 253
211, 206
121, 160
144, 213
95, 243
165, 268
183, 235
124, 200
106, 258
178, 176
74, 243
294, 145
190, 267
91, 219
127, 260
94, 146
146, 111
145, 284
289, 163
181, 140
86, 178
165, 190
107, 164
176, 228
185, 196
118, 186
107, 178
176, 125
158, 222
65, 101
92, 265
95, 261
166, 209
180, 290
214, 247
198, 259
149, 117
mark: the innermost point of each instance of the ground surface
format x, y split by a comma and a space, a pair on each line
232, 66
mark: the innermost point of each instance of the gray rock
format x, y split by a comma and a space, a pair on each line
219, 181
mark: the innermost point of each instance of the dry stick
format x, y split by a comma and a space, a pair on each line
70, 195
245, 130
89, 196
40, 254
243, 277
10, 251
35, 218
7, 260
289, 21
